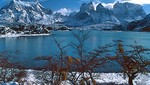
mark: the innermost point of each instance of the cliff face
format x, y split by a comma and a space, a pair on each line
140, 25
121, 13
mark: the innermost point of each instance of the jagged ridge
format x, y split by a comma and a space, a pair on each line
122, 13
25, 12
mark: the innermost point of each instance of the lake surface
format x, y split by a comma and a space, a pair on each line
31, 47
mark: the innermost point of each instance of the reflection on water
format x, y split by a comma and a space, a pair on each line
31, 47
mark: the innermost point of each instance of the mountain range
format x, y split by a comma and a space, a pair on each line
25, 12
123, 16
140, 25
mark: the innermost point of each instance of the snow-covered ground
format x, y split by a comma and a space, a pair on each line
22, 35
101, 78
119, 78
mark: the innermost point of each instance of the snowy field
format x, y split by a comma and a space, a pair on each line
101, 79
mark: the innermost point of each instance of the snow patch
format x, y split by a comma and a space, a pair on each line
101, 78
108, 5
63, 11
23, 3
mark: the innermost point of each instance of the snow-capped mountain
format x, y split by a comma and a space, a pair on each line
121, 13
25, 12
140, 25
127, 12
89, 15
88, 7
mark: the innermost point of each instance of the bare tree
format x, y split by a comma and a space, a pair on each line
77, 69
8, 69
88, 62
55, 64
132, 60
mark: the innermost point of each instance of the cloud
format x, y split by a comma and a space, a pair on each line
142, 2
63, 11
95, 4
108, 5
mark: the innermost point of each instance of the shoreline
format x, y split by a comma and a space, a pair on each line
22, 35
9, 35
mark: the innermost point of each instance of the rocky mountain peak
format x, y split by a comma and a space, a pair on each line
89, 7
147, 18
25, 12
99, 6
128, 11
102, 10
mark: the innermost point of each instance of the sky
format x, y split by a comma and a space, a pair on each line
72, 5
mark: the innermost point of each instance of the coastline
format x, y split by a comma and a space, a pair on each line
23, 35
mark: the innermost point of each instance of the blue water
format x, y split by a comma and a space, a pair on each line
31, 47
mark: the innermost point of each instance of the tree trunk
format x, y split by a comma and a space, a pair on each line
130, 81
93, 81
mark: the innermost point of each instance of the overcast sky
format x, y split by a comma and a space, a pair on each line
69, 5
